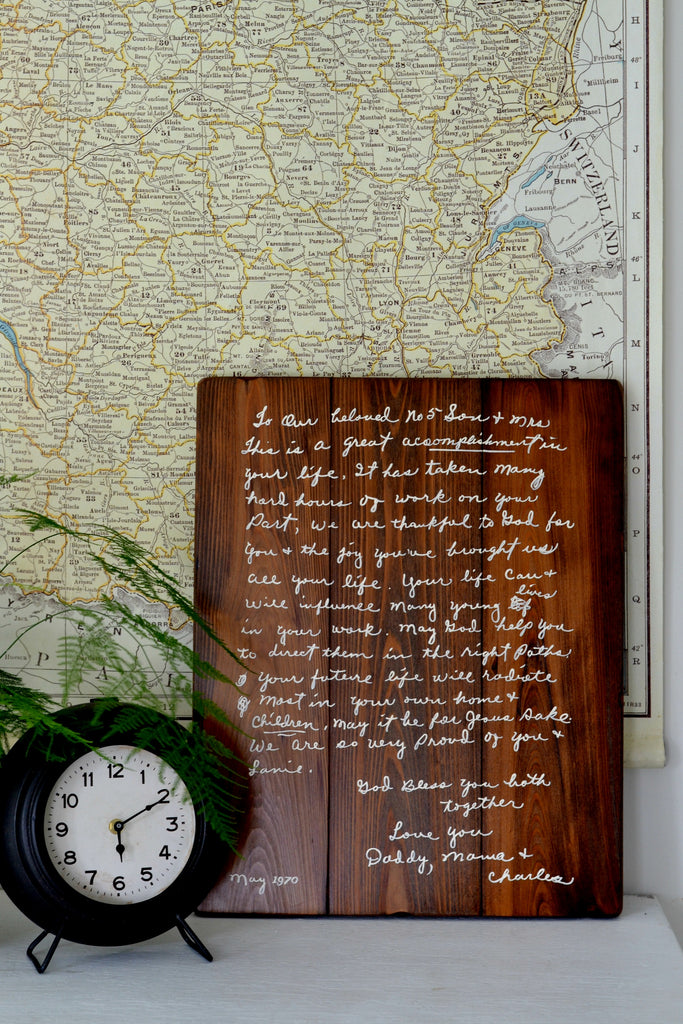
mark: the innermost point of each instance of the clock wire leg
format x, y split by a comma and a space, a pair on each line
192, 939
42, 965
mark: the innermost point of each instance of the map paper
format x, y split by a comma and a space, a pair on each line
379, 188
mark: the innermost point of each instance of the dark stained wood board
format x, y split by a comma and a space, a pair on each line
248, 556
561, 594
396, 533
427, 577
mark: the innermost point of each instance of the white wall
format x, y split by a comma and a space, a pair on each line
653, 802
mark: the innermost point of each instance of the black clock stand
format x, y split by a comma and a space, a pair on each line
187, 934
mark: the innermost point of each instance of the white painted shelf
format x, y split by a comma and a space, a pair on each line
314, 970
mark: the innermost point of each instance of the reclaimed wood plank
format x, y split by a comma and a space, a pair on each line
555, 500
400, 743
257, 506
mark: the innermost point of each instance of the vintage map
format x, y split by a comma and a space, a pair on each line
293, 187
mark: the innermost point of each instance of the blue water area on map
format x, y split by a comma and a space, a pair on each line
8, 333
514, 225
534, 177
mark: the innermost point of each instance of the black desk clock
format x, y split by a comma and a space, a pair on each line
103, 844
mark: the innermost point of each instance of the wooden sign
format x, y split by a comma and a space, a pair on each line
425, 579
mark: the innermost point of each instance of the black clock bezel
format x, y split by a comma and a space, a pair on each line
27, 777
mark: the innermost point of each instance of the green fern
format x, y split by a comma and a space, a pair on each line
110, 650
20, 707
23, 708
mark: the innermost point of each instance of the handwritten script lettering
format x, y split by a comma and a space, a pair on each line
413, 609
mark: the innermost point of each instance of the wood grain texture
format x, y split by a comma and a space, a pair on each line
399, 740
561, 602
427, 576
249, 556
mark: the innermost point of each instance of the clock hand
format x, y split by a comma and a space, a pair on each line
117, 825
118, 829
147, 807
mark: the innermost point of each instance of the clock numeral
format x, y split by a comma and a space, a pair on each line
142, 776
69, 800
115, 771
92, 876
62, 829
173, 827
70, 857
146, 874
163, 793
88, 779
119, 883
165, 853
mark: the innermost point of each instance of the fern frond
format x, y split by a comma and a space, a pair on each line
91, 656
214, 775
23, 708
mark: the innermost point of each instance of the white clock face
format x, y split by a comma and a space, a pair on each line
119, 828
